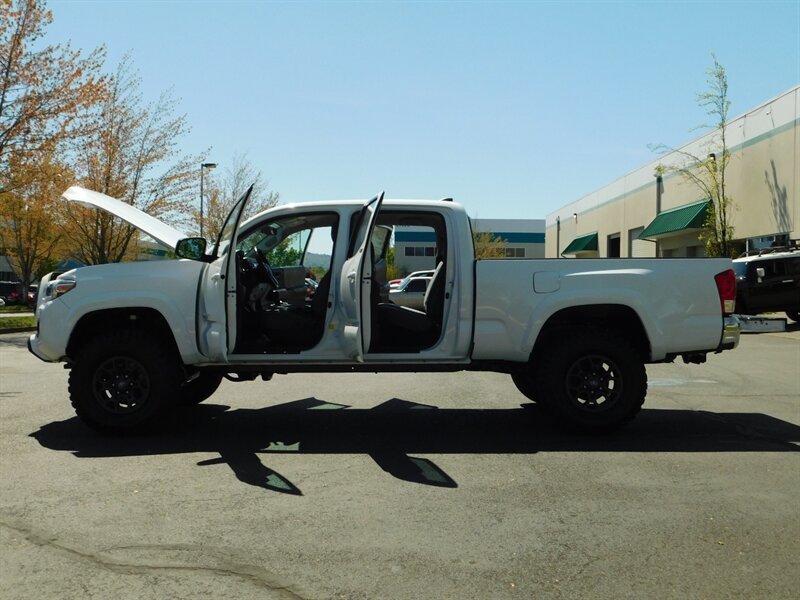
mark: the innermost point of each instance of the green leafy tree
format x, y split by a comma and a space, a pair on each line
488, 245
392, 270
708, 173
285, 254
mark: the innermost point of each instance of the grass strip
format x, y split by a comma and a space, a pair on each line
16, 322
15, 308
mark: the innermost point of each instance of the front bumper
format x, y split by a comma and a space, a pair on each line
31, 339
731, 330
43, 351
49, 343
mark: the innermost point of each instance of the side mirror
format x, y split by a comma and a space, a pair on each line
760, 272
193, 248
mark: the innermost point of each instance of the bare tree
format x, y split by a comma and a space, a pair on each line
222, 194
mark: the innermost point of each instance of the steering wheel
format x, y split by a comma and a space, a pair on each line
264, 263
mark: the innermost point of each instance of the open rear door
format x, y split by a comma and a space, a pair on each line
356, 282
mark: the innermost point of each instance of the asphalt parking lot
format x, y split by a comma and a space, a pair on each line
408, 486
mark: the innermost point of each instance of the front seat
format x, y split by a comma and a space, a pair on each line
298, 326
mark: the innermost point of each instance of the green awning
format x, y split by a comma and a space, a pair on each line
582, 243
677, 220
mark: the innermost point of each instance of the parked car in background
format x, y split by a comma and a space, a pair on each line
411, 292
33, 291
395, 283
769, 282
11, 292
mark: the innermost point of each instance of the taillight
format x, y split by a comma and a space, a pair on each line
726, 287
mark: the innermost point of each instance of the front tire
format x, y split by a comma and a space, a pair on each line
525, 384
123, 381
198, 389
593, 381
794, 315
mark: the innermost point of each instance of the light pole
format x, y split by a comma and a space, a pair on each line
203, 167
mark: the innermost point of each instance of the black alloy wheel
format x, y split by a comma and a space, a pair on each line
123, 380
121, 385
592, 381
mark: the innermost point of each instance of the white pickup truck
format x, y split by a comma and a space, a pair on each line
574, 335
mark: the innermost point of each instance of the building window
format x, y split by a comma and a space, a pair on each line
515, 252
420, 251
695, 252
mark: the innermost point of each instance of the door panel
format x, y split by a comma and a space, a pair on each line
211, 320
217, 320
356, 283
381, 238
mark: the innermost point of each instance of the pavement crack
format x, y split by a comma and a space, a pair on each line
161, 557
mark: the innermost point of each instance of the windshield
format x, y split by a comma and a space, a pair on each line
276, 243
740, 268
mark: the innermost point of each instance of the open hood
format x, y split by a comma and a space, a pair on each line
156, 229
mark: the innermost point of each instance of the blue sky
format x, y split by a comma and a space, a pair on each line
511, 108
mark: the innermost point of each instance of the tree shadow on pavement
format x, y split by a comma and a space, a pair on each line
394, 430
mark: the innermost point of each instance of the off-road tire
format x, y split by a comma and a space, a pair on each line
592, 381
198, 389
526, 384
123, 381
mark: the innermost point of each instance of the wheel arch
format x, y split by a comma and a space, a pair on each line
619, 318
136, 318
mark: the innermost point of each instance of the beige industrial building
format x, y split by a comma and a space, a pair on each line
643, 215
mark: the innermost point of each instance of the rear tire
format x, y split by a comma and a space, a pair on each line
123, 381
592, 381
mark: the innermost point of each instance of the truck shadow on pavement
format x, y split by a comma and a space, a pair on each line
390, 432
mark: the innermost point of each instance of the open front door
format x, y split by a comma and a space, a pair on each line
356, 282
218, 319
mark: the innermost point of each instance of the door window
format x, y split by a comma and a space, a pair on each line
284, 282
